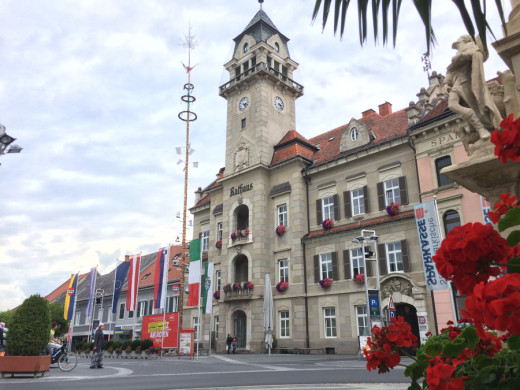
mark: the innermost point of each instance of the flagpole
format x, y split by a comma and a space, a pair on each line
450, 289
91, 314
113, 297
69, 346
137, 289
166, 266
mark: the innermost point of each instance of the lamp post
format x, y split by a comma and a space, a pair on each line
5, 141
369, 236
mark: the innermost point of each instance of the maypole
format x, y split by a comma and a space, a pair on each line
186, 116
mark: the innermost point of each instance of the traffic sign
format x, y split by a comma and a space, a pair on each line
391, 305
373, 300
392, 314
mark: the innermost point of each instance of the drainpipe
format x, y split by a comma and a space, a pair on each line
306, 299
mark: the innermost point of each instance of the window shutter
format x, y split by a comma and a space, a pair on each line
319, 218
365, 198
406, 258
347, 205
346, 263
403, 191
381, 252
317, 268
369, 268
335, 267
337, 217
381, 195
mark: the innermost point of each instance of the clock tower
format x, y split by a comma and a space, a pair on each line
260, 93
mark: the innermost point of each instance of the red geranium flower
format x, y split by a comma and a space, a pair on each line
496, 304
507, 141
502, 207
468, 255
439, 375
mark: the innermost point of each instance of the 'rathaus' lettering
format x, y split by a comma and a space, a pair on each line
241, 188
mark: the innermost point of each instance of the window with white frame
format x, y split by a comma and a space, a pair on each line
329, 319
216, 324
195, 323
219, 231
283, 270
100, 314
141, 308
358, 201
362, 320
285, 330
392, 193
356, 261
121, 311
205, 240
172, 304
282, 214
219, 280
326, 266
394, 256
327, 207
150, 307
77, 318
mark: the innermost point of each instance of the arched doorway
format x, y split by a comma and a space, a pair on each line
239, 328
410, 315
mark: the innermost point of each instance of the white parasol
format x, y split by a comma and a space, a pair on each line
268, 313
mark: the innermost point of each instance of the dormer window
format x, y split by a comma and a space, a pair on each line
246, 46
277, 47
354, 134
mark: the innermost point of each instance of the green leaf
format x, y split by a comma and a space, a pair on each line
470, 335
433, 349
513, 238
512, 218
453, 349
513, 265
514, 343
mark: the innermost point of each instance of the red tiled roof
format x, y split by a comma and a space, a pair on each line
62, 289
291, 145
437, 110
357, 225
384, 127
206, 199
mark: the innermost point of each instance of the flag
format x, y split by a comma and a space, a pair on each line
208, 288
68, 312
92, 287
121, 271
161, 278
194, 273
133, 282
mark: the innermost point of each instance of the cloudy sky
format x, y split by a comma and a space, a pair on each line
91, 90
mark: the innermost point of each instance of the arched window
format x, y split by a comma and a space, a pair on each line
451, 219
241, 271
242, 217
440, 163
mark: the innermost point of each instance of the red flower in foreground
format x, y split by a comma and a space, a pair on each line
439, 375
468, 254
496, 304
507, 141
502, 207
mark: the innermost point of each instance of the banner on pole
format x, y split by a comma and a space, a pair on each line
153, 329
429, 240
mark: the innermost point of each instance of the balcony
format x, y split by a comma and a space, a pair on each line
242, 290
242, 238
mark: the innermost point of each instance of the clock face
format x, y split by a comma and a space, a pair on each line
278, 103
244, 103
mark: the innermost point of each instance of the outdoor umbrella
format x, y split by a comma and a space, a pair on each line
268, 313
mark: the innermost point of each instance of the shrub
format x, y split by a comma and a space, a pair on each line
109, 344
146, 343
30, 329
79, 346
125, 344
117, 344
135, 344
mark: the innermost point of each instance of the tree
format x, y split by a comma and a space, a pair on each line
56, 309
7, 317
381, 10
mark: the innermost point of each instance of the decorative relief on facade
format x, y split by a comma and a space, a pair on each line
241, 158
396, 284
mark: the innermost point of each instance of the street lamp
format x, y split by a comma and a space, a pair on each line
5, 141
369, 237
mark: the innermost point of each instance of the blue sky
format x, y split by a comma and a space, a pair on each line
91, 90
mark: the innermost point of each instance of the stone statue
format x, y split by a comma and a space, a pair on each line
468, 93
408, 290
386, 292
511, 96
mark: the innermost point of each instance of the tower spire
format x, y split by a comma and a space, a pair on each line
260, 1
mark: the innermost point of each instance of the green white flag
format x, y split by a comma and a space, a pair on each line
207, 288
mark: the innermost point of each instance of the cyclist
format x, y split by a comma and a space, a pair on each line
53, 342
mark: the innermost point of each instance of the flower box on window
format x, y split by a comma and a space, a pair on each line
237, 287
218, 244
248, 285
233, 236
393, 208
327, 224
360, 278
282, 286
216, 295
326, 283
227, 288
280, 230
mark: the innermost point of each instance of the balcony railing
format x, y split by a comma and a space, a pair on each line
240, 239
232, 291
263, 67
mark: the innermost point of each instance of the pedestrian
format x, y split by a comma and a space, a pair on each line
2, 349
229, 341
234, 343
97, 354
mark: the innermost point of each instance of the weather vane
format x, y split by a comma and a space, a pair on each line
427, 65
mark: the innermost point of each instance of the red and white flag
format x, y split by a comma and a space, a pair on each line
133, 282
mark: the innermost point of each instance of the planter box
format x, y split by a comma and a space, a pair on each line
24, 365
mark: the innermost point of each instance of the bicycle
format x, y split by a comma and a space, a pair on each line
66, 360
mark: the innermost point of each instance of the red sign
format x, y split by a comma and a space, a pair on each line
391, 305
70, 291
153, 329
175, 289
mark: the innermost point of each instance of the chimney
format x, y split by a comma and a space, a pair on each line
367, 113
198, 195
385, 109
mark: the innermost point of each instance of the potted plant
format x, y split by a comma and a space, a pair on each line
360, 278
393, 208
282, 286
237, 287
327, 224
248, 285
245, 233
280, 230
216, 295
28, 335
227, 288
326, 283
147, 351
233, 236
239, 233
218, 245
138, 350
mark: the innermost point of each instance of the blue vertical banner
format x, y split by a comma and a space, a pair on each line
429, 240
486, 208
121, 272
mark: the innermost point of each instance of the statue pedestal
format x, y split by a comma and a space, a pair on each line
486, 175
